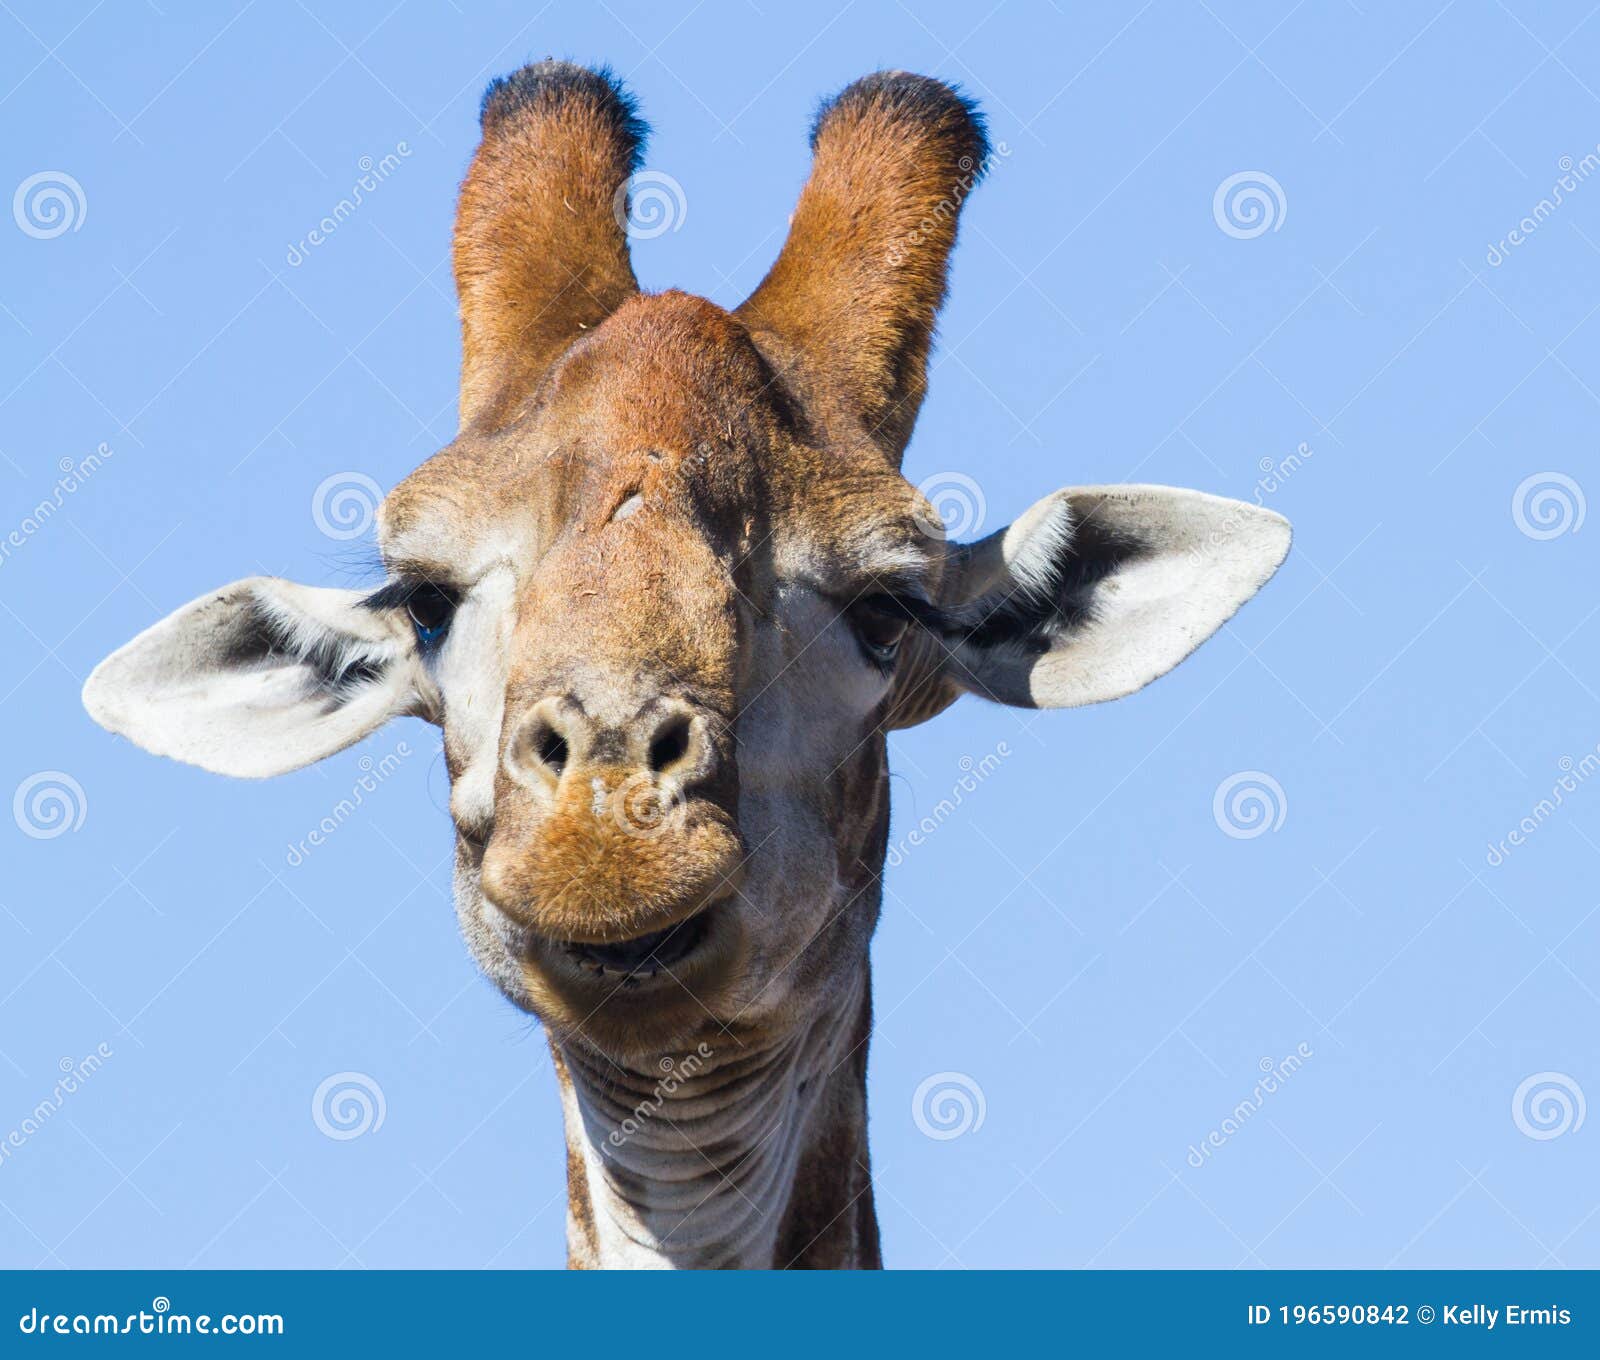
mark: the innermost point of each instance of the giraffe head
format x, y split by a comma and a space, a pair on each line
667, 590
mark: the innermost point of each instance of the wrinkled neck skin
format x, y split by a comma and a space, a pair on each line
752, 1160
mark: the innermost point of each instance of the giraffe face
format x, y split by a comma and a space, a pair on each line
668, 590
660, 629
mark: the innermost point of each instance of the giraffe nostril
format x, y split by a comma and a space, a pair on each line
551, 748
550, 739
558, 742
670, 744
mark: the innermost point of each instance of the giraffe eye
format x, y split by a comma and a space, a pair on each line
879, 627
430, 610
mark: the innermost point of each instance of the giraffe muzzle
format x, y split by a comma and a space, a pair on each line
610, 835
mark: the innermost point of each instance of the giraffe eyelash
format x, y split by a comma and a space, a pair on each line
431, 608
398, 593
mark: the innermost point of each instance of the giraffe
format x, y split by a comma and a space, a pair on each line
665, 594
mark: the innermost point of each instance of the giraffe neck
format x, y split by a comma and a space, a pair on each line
742, 1158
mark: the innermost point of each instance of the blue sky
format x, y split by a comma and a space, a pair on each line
1098, 942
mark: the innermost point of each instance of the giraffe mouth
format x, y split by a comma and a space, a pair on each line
644, 957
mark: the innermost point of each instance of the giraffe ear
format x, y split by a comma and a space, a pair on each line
540, 247
848, 309
258, 678
1096, 591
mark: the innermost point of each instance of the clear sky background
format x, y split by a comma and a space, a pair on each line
1087, 941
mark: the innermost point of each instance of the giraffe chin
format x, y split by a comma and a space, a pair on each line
640, 996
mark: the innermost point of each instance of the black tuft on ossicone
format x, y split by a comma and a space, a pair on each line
928, 103
541, 86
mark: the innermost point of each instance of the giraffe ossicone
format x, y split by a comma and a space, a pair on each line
665, 594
